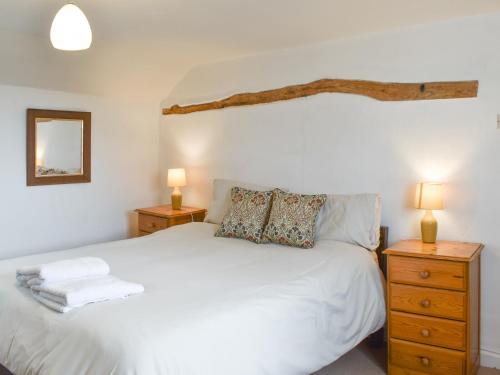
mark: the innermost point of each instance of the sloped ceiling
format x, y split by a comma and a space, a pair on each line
143, 47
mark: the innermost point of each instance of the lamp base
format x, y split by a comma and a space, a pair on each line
429, 227
176, 199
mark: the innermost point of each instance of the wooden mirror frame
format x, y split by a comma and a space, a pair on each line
31, 178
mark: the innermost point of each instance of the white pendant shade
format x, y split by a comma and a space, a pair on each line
70, 29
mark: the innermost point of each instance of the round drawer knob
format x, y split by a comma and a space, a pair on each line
424, 274
425, 361
425, 303
152, 225
425, 332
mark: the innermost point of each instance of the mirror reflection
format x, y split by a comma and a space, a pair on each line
59, 147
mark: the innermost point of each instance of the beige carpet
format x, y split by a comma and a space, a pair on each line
367, 361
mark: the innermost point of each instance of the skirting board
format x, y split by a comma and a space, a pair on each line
490, 359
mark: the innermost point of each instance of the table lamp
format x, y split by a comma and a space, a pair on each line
176, 179
429, 196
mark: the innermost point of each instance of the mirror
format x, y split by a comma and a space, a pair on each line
58, 147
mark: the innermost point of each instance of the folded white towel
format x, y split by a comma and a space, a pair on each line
63, 296
53, 305
62, 270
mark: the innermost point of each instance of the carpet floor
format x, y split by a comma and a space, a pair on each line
367, 361
362, 360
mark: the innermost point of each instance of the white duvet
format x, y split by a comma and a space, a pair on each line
211, 306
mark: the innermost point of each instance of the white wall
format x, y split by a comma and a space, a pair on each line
124, 173
346, 144
120, 84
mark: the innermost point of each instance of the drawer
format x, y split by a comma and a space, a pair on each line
150, 224
427, 301
426, 330
200, 216
141, 233
179, 220
395, 370
427, 272
425, 359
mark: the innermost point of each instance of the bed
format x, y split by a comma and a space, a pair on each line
211, 306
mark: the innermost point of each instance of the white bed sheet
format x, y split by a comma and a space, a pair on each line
211, 306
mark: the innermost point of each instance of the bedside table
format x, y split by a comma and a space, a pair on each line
433, 307
156, 218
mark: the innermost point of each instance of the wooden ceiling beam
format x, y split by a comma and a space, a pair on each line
377, 90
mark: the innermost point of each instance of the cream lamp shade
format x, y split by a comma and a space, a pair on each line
70, 29
176, 177
429, 196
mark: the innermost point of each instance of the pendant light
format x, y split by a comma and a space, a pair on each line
70, 29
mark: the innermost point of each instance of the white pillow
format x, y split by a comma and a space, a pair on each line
351, 218
222, 198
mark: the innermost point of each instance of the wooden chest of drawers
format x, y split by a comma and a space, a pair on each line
433, 308
153, 219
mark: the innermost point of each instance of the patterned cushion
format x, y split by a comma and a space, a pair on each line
293, 219
247, 216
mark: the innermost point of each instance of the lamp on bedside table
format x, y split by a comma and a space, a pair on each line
429, 196
176, 179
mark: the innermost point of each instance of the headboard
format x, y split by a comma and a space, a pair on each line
384, 244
